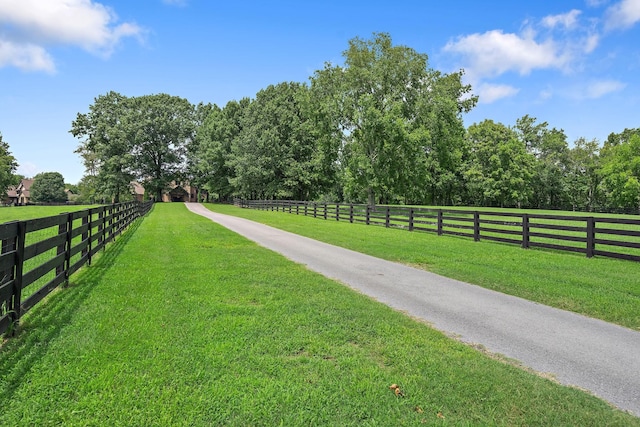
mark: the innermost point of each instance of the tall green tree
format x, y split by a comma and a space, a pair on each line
106, 133
48, 187
162, 126
583, 174
499, 168
389, 106
620, 171
214, 137
8, 166
274, 154
551, 152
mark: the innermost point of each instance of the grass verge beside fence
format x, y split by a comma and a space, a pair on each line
603, 288
22, 213
186, 323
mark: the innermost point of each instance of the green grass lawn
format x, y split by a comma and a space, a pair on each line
21, 213
603, 288
182, 322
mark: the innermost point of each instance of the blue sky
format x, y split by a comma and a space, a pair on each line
572, 63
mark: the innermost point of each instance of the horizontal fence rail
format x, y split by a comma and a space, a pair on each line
40, 254
593, 236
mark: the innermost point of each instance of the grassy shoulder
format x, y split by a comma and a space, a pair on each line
603, 288
185, 323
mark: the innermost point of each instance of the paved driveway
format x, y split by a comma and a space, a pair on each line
577, 350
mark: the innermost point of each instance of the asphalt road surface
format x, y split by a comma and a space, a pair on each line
576, 350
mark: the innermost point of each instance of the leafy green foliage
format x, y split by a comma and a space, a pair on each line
141, 138
274, 155
8, 166
399, 120
48, 187
499, 169
620, 171
381, 127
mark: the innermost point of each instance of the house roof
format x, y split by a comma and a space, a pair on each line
25, 184
11, 192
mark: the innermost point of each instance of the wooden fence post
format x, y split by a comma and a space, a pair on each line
337, 211
387, 217
476, 226
17, 276
61, 249
525, 231
325, 211
87, 236
67, 256
101, 224
368, 215
591, 236
411, 219
351, 213
439, 222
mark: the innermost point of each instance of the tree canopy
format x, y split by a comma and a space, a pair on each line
381, 127
141, 138
48, 187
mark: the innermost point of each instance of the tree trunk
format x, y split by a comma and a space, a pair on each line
371, 196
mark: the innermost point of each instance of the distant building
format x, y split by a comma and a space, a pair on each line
137, 191
20, 195
183, 192
12, 196
178, 192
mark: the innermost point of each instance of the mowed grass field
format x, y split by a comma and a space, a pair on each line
603, 288
21, 213
182, 322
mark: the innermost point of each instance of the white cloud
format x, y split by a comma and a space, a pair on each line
488, 93
596, 3
622, 15
568, 20
598, 89
27, 57
35, 24
494, 53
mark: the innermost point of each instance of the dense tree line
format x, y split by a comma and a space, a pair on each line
381, 128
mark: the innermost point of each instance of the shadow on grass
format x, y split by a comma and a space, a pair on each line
44, 322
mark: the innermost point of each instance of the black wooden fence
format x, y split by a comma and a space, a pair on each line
607, 236
40, 254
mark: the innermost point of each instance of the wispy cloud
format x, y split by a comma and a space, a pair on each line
36, 24
622, 15
567, 20
489, 93
598, 89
